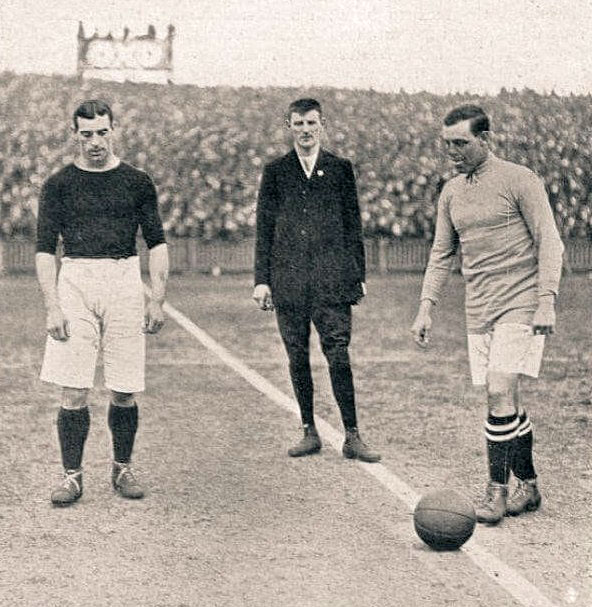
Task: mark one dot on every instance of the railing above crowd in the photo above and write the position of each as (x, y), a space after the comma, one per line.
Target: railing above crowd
(205, 149)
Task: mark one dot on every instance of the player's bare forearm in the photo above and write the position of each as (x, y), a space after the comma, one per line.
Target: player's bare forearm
(45, 266)
(57, 324)
(544, 318)
(158, 265)
(422, 324)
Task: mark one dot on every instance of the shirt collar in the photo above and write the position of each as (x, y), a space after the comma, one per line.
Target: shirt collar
(311, 161)
(482, 168)
(112, 164)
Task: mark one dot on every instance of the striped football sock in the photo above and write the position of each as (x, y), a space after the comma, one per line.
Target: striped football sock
(522, 463)
(500, 433)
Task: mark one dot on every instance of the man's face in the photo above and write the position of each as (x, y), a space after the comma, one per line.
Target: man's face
(306, 129)
(466, 150)
(95, 140)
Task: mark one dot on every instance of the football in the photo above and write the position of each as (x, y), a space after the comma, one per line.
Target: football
(444, 520)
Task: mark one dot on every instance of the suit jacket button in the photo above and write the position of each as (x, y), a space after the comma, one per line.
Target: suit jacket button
(303, 232)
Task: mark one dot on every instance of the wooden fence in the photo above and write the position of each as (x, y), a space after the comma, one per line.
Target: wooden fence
(383, 255)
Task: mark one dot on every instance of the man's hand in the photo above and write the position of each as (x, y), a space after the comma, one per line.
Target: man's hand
(262, 296)
(543, 322)
(154, 317)
(422, 325)
(58, 326)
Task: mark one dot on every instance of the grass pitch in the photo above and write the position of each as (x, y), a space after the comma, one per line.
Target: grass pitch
(224, 498)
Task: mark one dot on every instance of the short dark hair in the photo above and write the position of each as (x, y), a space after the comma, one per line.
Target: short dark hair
(91, 108)
(304, 105)
(479, 119)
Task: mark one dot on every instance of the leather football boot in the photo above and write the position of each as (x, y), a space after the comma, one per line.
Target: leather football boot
(526, 498)
(355, 448)
(310, 443)
(493, 507)
(125, 483)
(69, 490)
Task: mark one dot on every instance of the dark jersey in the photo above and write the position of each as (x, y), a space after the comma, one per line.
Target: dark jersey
(98, 213)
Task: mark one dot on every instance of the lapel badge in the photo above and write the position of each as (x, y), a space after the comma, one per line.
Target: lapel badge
(320, 172)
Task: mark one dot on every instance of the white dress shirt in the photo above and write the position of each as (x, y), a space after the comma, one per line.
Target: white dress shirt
(308, 162)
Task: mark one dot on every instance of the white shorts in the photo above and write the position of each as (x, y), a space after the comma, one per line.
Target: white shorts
(103, 301)
(507, 348)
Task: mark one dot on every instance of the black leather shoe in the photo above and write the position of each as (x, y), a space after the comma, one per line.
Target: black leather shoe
(309, 444)
(355, 448)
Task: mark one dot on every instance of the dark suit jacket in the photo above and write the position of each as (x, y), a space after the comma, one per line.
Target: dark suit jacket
(309, 232)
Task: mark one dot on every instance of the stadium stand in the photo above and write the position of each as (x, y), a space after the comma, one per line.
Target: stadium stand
(205, 148)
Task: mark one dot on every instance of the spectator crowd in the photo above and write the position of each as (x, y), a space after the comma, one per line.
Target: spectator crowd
(205, 149)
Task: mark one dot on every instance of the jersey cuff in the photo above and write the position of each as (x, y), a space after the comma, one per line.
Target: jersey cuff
(428, 298)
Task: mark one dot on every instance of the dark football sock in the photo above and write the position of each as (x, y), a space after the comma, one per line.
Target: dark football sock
(500, 433)
(73, 425)
(123, 422)
(343, 389)
(301, 377)
(522, 463)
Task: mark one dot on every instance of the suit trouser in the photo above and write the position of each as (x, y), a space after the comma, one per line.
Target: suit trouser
(333, 324)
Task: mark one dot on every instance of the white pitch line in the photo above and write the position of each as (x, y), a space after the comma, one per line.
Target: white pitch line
(509, 579)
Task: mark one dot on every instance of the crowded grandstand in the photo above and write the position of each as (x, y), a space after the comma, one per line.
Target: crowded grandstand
(205, 148)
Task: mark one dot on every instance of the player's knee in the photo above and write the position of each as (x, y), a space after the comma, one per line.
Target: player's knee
(501, 383)
(501, 389)
(123, 399)
(499, 406)
(74, 398)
